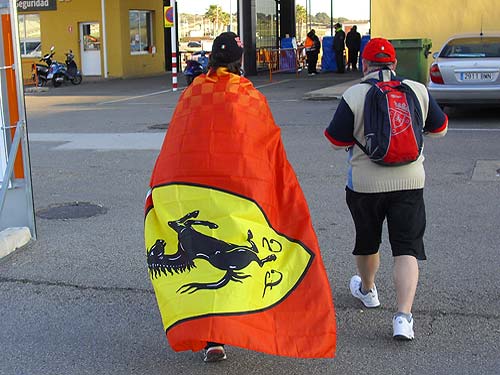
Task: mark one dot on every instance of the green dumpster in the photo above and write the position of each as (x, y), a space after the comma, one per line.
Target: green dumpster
(412, 58)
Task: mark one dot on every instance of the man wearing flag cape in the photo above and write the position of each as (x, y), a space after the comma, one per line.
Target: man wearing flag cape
(231, 251)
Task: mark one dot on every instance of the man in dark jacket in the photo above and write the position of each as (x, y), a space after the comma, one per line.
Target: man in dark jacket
(312, 46)
(339, 47)
(353, 43)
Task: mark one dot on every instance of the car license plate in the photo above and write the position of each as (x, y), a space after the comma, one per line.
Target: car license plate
(476, 76)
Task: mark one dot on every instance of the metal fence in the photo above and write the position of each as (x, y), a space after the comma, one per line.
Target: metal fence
(280, 60)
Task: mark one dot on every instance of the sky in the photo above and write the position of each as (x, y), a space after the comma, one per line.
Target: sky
(353, 9)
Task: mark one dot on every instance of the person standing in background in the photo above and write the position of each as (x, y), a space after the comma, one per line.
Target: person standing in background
(353, 43)
(312, 46)
(339, 47)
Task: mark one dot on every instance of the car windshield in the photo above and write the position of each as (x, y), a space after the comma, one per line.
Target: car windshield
(472, 47)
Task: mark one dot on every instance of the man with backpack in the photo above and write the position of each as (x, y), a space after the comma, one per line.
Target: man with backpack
(380, 122)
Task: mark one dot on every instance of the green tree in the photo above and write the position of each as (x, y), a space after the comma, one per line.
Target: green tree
(224, 19)
(301, 19)
(217, 17)
(322, 18)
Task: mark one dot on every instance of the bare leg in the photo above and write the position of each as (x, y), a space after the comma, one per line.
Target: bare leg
(367, 267)
(406, 280)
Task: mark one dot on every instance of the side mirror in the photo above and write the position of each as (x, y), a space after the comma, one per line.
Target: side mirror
(52, 49)
(435, 55)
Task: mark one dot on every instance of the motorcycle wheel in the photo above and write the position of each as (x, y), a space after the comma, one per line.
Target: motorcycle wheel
(189, 80)
(76, 80)
(55, 82)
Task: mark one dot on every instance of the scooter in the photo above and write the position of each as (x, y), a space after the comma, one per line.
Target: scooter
(59, 72)
(196, 66)
(74, 74)
(41, 71)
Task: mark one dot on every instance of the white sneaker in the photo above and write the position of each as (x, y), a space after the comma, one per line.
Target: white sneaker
(214, 354)
(369, 299)
(403, 329)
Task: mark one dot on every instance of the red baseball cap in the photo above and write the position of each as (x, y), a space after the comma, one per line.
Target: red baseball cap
(379, 50)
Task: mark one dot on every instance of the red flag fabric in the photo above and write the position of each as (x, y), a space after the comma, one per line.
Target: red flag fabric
(232, 253)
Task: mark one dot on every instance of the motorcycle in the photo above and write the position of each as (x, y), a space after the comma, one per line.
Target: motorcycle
(198, 64)
(59, 72)
(41, 71)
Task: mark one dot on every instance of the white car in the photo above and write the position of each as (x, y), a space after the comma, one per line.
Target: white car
(467, 70)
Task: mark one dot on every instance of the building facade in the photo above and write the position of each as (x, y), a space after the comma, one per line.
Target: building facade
(110, 38)
(127, 38)
(436, 20)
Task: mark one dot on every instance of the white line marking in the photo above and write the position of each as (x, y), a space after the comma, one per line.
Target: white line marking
(272, 83)
(170, 90)
(135, 97)
(474, 130)
(101, 141)
(284, 100)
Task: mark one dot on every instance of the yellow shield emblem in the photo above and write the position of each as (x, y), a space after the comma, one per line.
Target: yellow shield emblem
(211, 252)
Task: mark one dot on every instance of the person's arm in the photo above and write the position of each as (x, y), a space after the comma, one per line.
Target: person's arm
(436, 123)
(340, 130)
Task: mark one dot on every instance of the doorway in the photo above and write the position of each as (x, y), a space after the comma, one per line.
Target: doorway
(90, 48)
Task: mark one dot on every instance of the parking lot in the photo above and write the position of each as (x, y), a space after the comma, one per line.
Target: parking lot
(78, 300)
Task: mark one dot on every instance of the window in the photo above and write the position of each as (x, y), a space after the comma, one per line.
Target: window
(29, 35)
(140, 22)
(472, 47)
(267, 24)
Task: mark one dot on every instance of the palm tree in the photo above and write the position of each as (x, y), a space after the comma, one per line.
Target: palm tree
(224, 19)
(301, 19)
(217, 17)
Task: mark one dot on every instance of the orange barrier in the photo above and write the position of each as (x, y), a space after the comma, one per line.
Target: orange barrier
(280, 60)
(28, 65)
(34, 76)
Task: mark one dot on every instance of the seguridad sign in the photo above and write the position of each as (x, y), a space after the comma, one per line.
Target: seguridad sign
(29, 5)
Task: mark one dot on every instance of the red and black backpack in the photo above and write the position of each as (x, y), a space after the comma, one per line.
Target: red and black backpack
(393, 123)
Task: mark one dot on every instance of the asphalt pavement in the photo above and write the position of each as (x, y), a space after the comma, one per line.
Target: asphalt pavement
(78, 300)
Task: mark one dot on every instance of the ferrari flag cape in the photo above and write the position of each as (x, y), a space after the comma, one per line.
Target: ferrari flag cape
(231, 250)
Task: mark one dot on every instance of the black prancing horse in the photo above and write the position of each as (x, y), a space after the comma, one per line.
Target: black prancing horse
(195, 245)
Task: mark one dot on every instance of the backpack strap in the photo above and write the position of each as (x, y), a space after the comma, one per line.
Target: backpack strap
(363, 148)
(373, 82)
